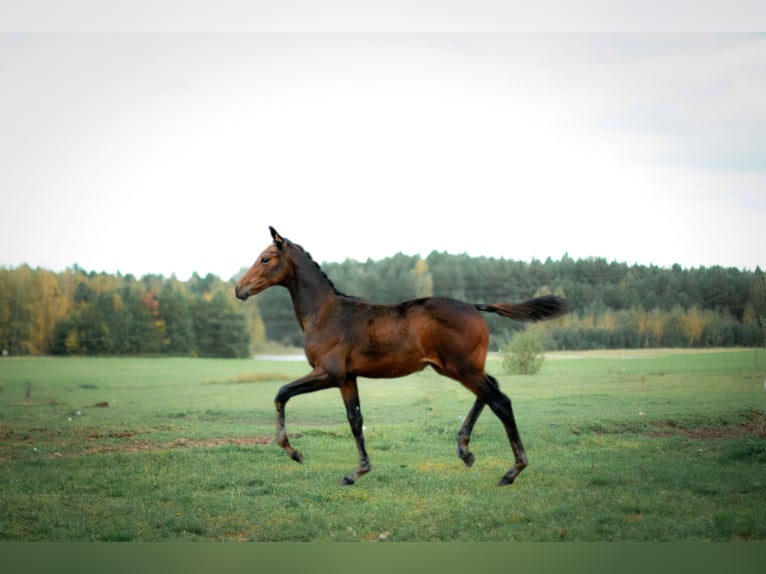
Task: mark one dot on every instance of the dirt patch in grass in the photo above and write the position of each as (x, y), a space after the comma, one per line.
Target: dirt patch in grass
(245, 378)
(712, 433)
(751, 425)
(741, 425)
(53, 443)
(142, 446)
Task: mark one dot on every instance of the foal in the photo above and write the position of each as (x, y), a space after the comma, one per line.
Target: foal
(347, 338)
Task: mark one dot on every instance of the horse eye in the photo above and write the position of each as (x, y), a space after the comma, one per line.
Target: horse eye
(265, 260)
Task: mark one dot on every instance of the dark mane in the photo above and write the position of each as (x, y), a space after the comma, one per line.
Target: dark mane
(319, 268)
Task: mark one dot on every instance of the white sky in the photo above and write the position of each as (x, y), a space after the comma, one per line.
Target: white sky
(173, 153)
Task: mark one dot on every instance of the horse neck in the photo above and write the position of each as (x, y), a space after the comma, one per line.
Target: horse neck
(310, 290)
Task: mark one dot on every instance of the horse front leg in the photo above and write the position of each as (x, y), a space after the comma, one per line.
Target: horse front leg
(350, 394)
(315, 381)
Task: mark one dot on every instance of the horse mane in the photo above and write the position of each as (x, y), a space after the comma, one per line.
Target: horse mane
(319, 268)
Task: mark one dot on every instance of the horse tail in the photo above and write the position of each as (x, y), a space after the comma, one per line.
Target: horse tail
(538, 309)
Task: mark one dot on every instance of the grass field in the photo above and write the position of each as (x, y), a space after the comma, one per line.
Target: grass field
(635, 446)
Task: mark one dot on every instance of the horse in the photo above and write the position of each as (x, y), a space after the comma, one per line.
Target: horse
(346, 337)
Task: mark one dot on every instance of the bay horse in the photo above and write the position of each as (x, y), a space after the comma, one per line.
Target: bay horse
(347, 338)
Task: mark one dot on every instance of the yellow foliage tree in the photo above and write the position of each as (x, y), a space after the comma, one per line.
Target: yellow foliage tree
(424, 282)
(694, 322)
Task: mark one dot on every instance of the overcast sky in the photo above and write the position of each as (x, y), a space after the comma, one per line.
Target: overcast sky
(173, 153)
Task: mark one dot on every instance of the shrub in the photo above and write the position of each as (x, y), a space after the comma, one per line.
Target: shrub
(524, 354)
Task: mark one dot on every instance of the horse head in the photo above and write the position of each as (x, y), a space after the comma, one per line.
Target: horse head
(272, 267)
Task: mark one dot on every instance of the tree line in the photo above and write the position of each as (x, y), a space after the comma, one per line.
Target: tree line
(81, 313)
(614, 305)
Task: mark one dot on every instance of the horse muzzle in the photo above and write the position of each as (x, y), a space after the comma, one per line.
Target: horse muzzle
(241, 294)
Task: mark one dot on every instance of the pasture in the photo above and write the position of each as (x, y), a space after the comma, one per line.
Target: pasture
(654, 445)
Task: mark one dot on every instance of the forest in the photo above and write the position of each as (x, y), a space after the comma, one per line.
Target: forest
(613, 305)
(86, 313)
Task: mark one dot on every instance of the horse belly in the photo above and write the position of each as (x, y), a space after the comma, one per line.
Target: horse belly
(387, 357)
(387, 369)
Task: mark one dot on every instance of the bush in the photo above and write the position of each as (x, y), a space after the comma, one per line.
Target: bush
(524, 354)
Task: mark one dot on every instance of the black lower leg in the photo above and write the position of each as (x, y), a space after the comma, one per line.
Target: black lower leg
(356, 422)
(501, 406)
(464, 434)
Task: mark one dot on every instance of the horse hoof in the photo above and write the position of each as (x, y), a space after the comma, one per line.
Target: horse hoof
(469, 459)
(346, 481)
(505, 481)
(297, 456)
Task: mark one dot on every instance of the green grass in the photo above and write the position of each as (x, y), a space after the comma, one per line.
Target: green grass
(635, 446)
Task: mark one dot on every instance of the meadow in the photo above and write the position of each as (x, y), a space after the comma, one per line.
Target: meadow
(644, 445)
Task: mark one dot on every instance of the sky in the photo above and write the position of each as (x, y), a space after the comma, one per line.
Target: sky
(173, 153)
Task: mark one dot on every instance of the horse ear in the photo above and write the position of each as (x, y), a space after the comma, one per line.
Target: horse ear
(276, 237)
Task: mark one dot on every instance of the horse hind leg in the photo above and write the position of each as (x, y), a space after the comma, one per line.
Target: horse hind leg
(489, 391)
(464, 434)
